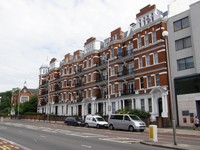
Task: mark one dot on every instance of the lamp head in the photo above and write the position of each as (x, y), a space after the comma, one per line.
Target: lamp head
(165, 34)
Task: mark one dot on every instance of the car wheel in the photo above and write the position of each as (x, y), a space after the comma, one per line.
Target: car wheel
(98, 126)
(87, 125)
(131, 128)
(111, 127)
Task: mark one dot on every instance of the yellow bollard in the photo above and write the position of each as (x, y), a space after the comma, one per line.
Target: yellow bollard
(153, 133)
(1, 119)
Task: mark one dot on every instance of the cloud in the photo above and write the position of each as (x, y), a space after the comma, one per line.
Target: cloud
(32, 30)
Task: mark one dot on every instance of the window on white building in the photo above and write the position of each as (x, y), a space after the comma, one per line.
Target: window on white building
(142, 104)
(150, 104)
(185, 63)
(183, 43)
(134, 104)
(181, 24)
(113, 107)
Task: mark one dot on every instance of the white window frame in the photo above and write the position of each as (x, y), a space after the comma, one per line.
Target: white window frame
(149, 81)
(155, 55)
(112, 71)
(142, 102)
(146, 39)
(150, 104)
(157, 79)
(148, 61)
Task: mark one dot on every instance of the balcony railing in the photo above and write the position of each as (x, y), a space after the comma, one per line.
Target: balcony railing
(78, 71)
(126, 92)
(102, 96)
(125, 72)
(79, 99)
(79, 84)
(122, 73)
(125, 53)
(102, 78)
(102, 62)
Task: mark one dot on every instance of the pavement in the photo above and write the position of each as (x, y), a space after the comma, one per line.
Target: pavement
(159, 143)
(173, 145)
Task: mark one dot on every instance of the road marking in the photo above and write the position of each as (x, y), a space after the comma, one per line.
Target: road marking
(87, 146)
(43, 136)
(121, 140)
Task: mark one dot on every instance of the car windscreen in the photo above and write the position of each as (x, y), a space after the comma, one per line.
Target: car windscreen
(77, 119)
(99, 119)
(134, 117)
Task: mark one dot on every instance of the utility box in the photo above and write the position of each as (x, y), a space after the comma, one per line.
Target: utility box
(153, 133)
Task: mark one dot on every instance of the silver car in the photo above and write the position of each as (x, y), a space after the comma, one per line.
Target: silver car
(126, 122)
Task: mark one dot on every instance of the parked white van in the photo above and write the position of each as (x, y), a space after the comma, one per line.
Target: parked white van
(126, 122)
(95, 121)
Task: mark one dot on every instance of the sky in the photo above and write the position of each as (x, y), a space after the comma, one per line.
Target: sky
(34, 31)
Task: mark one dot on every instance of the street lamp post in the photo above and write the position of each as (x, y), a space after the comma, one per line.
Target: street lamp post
(109, 106)
(18, 105)
(165, 35)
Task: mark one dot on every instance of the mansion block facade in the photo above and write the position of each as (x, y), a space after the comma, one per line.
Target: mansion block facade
(126, 70)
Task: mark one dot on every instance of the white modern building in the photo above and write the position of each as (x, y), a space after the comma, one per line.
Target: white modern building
(184, 50)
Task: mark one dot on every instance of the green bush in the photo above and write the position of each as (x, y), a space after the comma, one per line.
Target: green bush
(138, 112)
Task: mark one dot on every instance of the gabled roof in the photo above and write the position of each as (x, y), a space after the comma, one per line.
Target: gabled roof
(34, 91)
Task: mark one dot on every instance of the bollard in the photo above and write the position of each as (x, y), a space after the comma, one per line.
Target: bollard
(1, 119)
(153, 133)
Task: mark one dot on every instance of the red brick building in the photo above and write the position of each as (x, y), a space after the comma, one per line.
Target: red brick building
(126, 70)
(23, 95)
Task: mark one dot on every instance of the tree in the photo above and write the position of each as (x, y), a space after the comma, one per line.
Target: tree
(5, 105)
(30, 106)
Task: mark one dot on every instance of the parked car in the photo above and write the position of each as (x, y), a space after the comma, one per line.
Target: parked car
(95, 121)
(74, 121)
(126, 122)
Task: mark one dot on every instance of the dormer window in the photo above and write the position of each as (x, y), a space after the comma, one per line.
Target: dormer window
(144, 21)
(152, 17)
(140, 23)
(115, 37)
(148, 19)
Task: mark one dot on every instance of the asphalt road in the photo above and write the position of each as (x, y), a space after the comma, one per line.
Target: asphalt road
(45, 136)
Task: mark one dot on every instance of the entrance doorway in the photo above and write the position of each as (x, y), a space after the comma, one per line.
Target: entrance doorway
(100, 108)
(56, 110)
(79, 110)
(89, 108)
(160, 109)
(198, 108)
